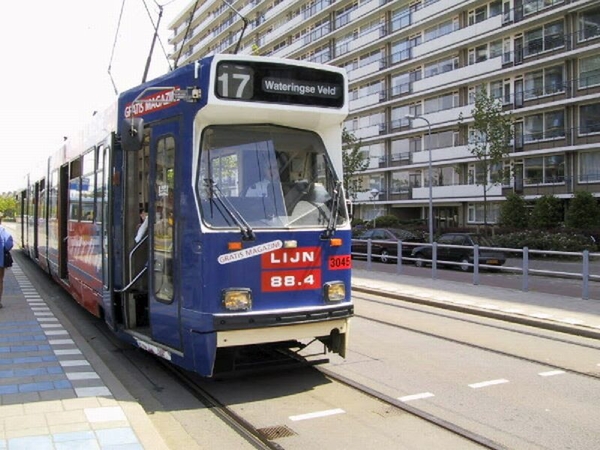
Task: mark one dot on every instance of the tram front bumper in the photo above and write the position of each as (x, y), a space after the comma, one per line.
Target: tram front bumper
(280, 326)
(252, 336)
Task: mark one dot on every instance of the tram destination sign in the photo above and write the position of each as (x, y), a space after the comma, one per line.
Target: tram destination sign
(279, 83)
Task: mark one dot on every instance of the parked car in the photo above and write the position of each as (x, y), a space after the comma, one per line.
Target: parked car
(463, 255)
(384, 243)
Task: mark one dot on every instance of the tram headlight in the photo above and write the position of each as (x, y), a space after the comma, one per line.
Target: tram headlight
(237, 299)
(334, 291)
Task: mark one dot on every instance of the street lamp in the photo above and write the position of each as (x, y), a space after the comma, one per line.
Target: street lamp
(373, 194)
(413, 117)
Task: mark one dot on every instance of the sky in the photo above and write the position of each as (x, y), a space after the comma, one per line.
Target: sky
(55, 69)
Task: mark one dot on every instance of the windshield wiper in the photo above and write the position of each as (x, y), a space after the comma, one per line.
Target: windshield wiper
(236, 216)
(334, 213)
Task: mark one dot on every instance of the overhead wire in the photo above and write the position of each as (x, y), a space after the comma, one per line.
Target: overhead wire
(112, 54)
(155, 26)
(187, 30)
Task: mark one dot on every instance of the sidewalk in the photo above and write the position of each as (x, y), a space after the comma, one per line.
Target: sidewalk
(51, 397)
(555, 312)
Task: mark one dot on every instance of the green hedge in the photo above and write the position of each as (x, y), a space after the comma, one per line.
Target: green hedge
(560, 241)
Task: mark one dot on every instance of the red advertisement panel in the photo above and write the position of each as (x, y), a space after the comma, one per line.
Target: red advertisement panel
(287, 258)
(340, 262)
(290, 280)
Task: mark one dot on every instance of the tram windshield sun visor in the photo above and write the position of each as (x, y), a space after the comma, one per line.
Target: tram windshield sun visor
(266, 176)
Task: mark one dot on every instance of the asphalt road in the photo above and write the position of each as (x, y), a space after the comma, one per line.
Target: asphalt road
(519, 387)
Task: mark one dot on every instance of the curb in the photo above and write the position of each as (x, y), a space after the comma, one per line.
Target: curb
(506, 317)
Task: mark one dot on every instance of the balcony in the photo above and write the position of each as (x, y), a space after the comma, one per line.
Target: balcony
(362, 102)
(449, 78)
(366, 196)
(365, 39)
(365, 70)
(279, 9)
(448, 115)
(367, 132)
(289, 49)
(363, 10)
(432, 8)
(441, 154)
(457, 37)
(282, 30)
(456, 191)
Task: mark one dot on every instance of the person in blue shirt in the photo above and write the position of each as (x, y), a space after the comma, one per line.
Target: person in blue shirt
(6, 244)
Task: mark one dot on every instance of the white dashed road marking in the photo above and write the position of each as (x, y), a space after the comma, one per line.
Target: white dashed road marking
(551, 373)
(408, 398)
(317, 414)
(488, 383)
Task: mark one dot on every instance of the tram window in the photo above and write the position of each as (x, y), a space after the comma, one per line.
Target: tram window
(271, 176)
(164, 219)
(88, 162)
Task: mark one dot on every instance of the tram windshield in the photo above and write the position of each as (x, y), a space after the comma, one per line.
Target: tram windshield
(265, 176)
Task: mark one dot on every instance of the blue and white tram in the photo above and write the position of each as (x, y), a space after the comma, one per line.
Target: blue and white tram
(238, 162)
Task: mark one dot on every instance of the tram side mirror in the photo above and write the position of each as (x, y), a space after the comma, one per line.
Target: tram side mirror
(132, 134)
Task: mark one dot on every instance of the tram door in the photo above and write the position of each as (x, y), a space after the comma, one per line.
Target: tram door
(164, 308)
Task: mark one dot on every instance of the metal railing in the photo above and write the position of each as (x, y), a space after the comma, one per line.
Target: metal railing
(582, 262)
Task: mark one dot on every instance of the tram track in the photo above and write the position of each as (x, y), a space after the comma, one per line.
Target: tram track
(259, 440)
(236, 422)
(477, 346)
(430, 418)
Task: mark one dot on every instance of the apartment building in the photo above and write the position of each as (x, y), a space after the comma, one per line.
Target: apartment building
(428, 59)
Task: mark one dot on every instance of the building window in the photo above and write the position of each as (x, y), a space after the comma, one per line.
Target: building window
(589, 24)
(445, 176)
(588, 118)
(495, 48)
(398, 115)
(476, 174)
(441, 66)
(478, 215)
(343, 14)
(500, 90)
(546, 125)
(441, 103)
(400, 183)
(401, 84)
(369, 58)
(400, 19)
(589, 71)
(544, 170)
(477, 15)
(589, 167)
(369, 89)
(473, 91)
(400, 51)
(482, 13)
(495, 8)
(441, 29)
(484, 52)
(279, 45)
(544, 82)
(533, 6)
(545, 38)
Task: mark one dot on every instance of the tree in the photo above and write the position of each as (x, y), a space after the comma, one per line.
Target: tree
(513, 212)
(492, 132)
(583, 211)
(8, 206)
(352, 159)
(547, 212)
